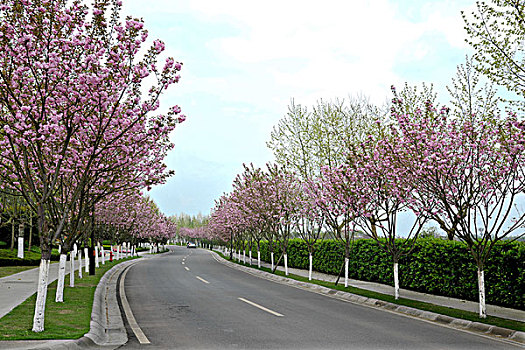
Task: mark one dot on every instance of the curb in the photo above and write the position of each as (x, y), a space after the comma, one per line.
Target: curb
(501, 333)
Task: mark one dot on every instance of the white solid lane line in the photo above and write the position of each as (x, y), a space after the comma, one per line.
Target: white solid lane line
(261, 307)
(141, 337)
(186, 268)
(202, 279)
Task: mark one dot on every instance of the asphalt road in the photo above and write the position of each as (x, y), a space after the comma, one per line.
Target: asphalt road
(188, 300)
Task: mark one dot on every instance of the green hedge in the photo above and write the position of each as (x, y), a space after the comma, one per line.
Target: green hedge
(435, 266)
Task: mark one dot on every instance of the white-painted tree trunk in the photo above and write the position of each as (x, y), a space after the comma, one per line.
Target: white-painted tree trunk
(250, 257)
(271, 257)
(310, 266)
(71, 269)
(244, 256)
(59, 295)
(80, 263)
(20, 253)
(103, 255)
(86, 260)
(346, 272)
(118, 252)
(127, 249)
(59, 249)
(481, 288)
(96, 257)
(286, 264)
(41, 294)
(258, 259)
(75, 249)
(396, 280)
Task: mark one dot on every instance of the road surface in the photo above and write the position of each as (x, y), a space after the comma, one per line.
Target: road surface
(188, 300)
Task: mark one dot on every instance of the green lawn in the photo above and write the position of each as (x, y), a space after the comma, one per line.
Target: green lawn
(11, 270)
(466, 315)
(67, 320)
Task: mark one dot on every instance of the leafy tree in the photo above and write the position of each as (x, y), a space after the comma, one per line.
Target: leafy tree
(496, 31)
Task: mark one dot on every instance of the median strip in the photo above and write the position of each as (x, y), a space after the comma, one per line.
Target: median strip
(261, 307)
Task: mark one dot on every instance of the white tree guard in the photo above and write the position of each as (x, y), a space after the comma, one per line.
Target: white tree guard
(80, 263)
(396, 280)
(41, 294)
(96, 257)
(20, 253)
(59, 295)
(310, 266)
(481, 287)
(346, 272)
(86, 260)
(72, 269)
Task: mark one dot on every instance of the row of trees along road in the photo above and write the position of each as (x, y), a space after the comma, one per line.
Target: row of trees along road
(78, 87)
(349, 166)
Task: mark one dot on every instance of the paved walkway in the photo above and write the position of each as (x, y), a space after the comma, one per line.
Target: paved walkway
(492, 310)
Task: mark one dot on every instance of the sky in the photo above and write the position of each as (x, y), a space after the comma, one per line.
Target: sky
(244, 61)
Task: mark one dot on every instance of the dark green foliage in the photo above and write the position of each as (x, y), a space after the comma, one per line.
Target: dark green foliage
(435, 266)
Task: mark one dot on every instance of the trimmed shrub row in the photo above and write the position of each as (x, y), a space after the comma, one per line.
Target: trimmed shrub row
(435, 266)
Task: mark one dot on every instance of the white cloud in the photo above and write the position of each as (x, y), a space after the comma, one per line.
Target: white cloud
(245, 60)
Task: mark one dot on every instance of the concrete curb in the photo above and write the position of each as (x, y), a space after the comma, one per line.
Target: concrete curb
(106, 326)
(475, 327)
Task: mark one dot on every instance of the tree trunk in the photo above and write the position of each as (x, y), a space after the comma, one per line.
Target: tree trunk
(30, 233)
(103, 255)
(86, 260)
(340, 272)
(310, 266)
(250, 257)
(20, 252)
(396, 280)
(346, 272)
(40, 305)
(271, 257)
(286, 264)
(244, 256)
(96, 257)
(481, 288)
(12, 233)
(258, 258)
(59, 296)
(80, 263)
(72, 269)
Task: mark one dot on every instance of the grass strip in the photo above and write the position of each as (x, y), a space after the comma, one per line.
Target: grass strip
(11, 270)
(443, 310)
(67, 320)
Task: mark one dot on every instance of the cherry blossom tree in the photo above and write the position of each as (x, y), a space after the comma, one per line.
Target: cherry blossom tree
(71, 95)
(469, 175)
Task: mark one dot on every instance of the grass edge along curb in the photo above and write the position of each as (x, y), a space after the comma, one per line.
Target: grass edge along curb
(88, 326)
(387, 302)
